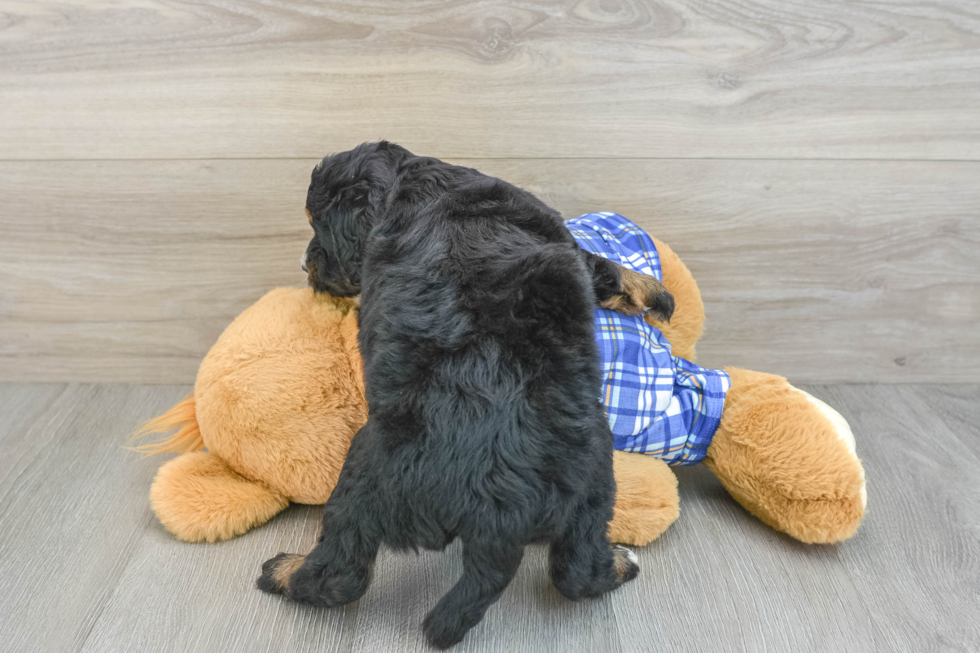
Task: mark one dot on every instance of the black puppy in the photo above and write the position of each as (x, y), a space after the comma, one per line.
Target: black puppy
(482, 379)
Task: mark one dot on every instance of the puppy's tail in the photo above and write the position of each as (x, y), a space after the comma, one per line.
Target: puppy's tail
(182, 417)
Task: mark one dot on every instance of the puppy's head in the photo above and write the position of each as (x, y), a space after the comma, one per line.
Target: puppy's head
(347, 193)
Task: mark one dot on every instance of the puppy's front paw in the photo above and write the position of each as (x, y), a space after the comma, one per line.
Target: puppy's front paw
(642, 293)
(660, 304)
(277, 571)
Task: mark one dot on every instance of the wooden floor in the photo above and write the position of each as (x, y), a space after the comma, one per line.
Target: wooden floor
(84, 565)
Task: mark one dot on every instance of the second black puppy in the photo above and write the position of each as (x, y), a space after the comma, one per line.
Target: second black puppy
(482, 379)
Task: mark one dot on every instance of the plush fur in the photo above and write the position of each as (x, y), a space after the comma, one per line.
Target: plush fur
(277, 400)
(781, 455)
(482, 377)
(687, 321)
(182, 417)
(201, 497)
(647, 502)
(254, 372)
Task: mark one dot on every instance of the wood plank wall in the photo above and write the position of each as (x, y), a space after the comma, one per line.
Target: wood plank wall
(816, 164)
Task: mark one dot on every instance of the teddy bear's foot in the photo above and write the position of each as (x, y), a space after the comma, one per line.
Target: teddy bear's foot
(199, 498)
(647, 502)
(789, 459)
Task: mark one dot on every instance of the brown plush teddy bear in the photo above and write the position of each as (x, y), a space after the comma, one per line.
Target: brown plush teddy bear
(280, 395)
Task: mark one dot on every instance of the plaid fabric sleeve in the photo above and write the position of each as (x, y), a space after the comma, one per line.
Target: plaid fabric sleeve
(656, 403)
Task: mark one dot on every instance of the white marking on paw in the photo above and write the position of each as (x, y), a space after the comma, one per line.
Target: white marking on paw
(843, 430)
(629, 554)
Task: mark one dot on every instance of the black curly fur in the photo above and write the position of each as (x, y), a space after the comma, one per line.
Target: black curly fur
(482, 379)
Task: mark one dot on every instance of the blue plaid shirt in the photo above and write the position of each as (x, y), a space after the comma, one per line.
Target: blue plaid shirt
(656, 403)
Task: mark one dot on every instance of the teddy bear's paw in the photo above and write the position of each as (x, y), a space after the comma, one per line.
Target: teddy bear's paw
(844, 435)
(789, 459)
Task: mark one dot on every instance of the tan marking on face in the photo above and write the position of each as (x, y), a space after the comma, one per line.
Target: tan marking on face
(286, 568)
(309, 216)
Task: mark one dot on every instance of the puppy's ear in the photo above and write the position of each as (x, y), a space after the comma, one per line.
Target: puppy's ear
(348, 228)
(351, 220)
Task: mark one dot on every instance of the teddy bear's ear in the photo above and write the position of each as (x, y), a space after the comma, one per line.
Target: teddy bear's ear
(198, 498)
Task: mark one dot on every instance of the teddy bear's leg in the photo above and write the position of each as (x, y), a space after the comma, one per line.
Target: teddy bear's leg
(687, 322)
(647, 502)
(199, 498)
(788, 458)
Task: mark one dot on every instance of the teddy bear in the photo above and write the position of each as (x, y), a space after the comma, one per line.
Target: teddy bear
(279, 396)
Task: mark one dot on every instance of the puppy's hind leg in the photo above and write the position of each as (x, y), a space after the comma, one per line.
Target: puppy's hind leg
(487, 570)
(583, 563)
(338, 570)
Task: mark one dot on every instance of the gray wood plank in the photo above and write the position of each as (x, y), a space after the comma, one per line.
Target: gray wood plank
(821, 271)
(719, 580)
(959, 408)
(916, 560)
(190, 597)
(21, 404)
(612, 78)
(530, 616)
(85, 566)
(175, 596)
(72, 506)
